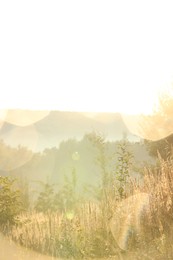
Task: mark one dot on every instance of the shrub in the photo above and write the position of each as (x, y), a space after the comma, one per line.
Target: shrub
(10, 202)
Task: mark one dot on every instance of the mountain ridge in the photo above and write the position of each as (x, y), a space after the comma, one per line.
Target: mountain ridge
(57, 126)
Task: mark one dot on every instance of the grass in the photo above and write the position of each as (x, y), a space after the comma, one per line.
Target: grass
(85, 232)
(74, 234)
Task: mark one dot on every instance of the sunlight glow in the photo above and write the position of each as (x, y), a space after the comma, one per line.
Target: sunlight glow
(19, 137)
(111, 56)
(22, 117)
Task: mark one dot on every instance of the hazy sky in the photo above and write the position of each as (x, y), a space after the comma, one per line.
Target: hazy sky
(85, 55)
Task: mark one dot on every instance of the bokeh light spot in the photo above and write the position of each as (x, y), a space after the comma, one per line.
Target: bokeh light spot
(75, 156)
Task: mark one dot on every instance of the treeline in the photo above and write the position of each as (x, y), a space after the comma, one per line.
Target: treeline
(53, 165)
(113, 162)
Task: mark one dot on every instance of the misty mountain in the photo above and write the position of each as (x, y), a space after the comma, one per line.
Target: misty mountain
(58, 126)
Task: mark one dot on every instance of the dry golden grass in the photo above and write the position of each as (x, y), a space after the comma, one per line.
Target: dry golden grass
(72, 234)
(85, 233)
(158, 220)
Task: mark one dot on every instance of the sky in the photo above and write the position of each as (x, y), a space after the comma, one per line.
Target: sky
(97, 56)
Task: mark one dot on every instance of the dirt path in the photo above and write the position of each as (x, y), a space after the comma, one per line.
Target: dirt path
(10, 251)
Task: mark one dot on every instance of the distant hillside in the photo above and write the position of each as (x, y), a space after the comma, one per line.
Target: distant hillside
(58, 126)
(55, 163)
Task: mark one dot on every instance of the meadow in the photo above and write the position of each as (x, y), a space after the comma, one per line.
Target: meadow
(108, 225)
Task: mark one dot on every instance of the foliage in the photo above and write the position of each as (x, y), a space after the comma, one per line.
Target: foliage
(81, 229)
(66, 198)
(63, 200)
(23, 186)
(162, 146)
(84, 233)
(157, 127)
(80, 237)
(98, 141)
(10, 201)
(45, 199)
(123, 167)
(157, 223)
(12, 158)
(105, 190)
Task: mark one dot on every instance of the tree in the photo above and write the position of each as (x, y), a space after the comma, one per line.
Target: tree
(98, 141)
(45, 199)
(66, 198)
(10, 201)
(123, 167)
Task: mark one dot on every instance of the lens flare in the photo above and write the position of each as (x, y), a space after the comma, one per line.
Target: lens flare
(76, 156)
(21, 117)
(154, 127)
(70, 215)
(127, 218)
(22, 141)
(3, 114)
(159, 123)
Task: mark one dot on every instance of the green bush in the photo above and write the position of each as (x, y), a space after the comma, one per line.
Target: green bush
(123, 167)
(10, 202)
